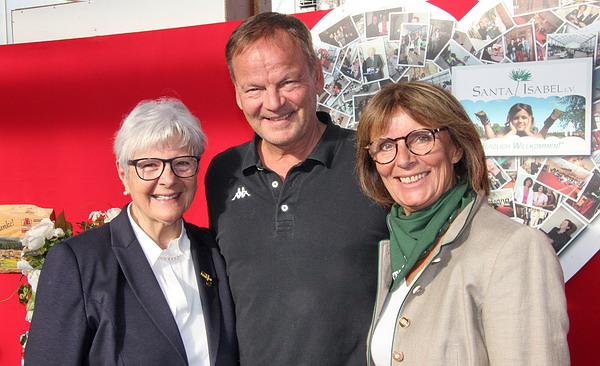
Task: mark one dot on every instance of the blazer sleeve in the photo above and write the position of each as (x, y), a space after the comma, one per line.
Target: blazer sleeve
(59, 334)
(524, 312)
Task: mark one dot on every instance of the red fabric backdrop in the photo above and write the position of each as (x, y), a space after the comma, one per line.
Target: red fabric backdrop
(61, 102)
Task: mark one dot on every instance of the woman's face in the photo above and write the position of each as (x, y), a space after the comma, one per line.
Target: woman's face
(415, 182)
(564, 225)
(164, 200)
(521, 121)
(527, 183)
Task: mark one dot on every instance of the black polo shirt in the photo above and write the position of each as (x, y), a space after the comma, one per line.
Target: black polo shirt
(301, 253)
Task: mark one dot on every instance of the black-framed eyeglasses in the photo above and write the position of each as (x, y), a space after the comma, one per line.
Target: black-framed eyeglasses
(419, 142)
(152, 168)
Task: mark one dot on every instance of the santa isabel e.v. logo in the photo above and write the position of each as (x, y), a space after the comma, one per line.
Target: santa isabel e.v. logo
(524, 85)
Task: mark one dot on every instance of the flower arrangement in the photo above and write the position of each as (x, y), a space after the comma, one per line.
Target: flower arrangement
(38, 240)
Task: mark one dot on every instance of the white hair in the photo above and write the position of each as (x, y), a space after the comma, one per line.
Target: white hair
(158, 123)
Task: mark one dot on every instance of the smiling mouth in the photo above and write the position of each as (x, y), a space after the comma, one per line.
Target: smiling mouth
(165, 197)
(279, 118)
(413, 178)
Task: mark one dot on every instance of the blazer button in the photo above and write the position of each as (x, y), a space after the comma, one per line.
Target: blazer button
(398, 356)
(418, 290)
(404, 322)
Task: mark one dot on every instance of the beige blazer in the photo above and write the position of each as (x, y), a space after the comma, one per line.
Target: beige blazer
(492, 294)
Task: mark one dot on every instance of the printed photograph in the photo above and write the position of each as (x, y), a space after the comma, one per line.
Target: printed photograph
(580, 16)
(443, 79)
(520, 44)
(570, 45)
(462, 39)
(455, 55)
(359, 23)
(530, 216)
(493, 51)
(492, 24)
(532, 164)
(360, 101)
(377, 22)
(340, 34)
(530, 6)
(528, 109)
(508, 163)
(502, 201)
(374, 62)
(418, 73)
(350, 65)
(545, 23)
(564, 177)
(588, 205)
(337, 117)
(398, 19)
(544, 197)
(413, 44)
(358, 88)
(395, 71)
(497, 176)
(561, 228)
(335, 83)
(327, 56)
(523, 189)
(440, 33)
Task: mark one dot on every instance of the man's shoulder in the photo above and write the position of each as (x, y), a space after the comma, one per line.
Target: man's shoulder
(232, 154)
(228, 161)
(345, 137)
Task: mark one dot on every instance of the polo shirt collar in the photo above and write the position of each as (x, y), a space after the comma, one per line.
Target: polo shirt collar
(323, 152)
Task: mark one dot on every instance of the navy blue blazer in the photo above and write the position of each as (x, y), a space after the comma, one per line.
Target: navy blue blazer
(98, 303)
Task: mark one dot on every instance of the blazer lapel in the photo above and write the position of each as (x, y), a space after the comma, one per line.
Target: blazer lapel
(207, 286)
(140, 278)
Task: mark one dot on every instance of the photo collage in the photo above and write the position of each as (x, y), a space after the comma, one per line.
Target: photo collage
(362, 49)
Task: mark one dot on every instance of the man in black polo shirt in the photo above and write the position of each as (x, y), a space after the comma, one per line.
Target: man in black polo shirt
(298, 237)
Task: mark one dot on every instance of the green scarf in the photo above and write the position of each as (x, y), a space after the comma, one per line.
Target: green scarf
(412, 236)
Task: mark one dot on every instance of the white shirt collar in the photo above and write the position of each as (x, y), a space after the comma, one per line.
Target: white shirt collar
(179, 246)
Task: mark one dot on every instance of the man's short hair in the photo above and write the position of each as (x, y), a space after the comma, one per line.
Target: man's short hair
(267, 26)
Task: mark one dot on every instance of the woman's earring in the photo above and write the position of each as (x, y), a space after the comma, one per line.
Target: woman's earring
(125, 193)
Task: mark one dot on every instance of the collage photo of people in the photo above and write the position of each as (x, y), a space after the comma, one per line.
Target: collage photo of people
(364, 47)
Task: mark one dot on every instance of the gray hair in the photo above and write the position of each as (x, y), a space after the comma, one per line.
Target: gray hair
(155, 124)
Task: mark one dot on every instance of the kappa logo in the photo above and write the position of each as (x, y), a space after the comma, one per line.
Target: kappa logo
(241, 193)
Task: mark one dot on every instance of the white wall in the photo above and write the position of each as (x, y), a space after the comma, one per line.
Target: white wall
(42, 20)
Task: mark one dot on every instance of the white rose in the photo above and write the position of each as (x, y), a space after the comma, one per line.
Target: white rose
(59, 233)
(94, 215)
(35, 237)
(111, 214)
(24, 267)
(32, 242)
(33, 279)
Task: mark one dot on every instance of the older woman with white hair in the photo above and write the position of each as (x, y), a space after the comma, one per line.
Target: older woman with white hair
(146, 288)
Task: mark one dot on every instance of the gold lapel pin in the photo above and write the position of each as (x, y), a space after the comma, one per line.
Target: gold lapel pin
(208, 281)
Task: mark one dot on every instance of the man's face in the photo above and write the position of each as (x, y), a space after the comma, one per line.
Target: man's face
(277, 91)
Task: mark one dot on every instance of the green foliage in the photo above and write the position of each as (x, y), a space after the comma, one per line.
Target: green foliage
(573, 111)
(520, 75)
(24, 292)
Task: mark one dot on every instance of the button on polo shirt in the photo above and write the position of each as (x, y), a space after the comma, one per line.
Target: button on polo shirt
(301, 254)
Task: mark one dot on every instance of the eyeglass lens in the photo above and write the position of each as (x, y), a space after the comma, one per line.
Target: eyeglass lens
(419, 142)
(152, 168)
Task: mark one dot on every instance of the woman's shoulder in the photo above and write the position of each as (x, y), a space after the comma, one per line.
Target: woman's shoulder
(87, 247)
(501, 231)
